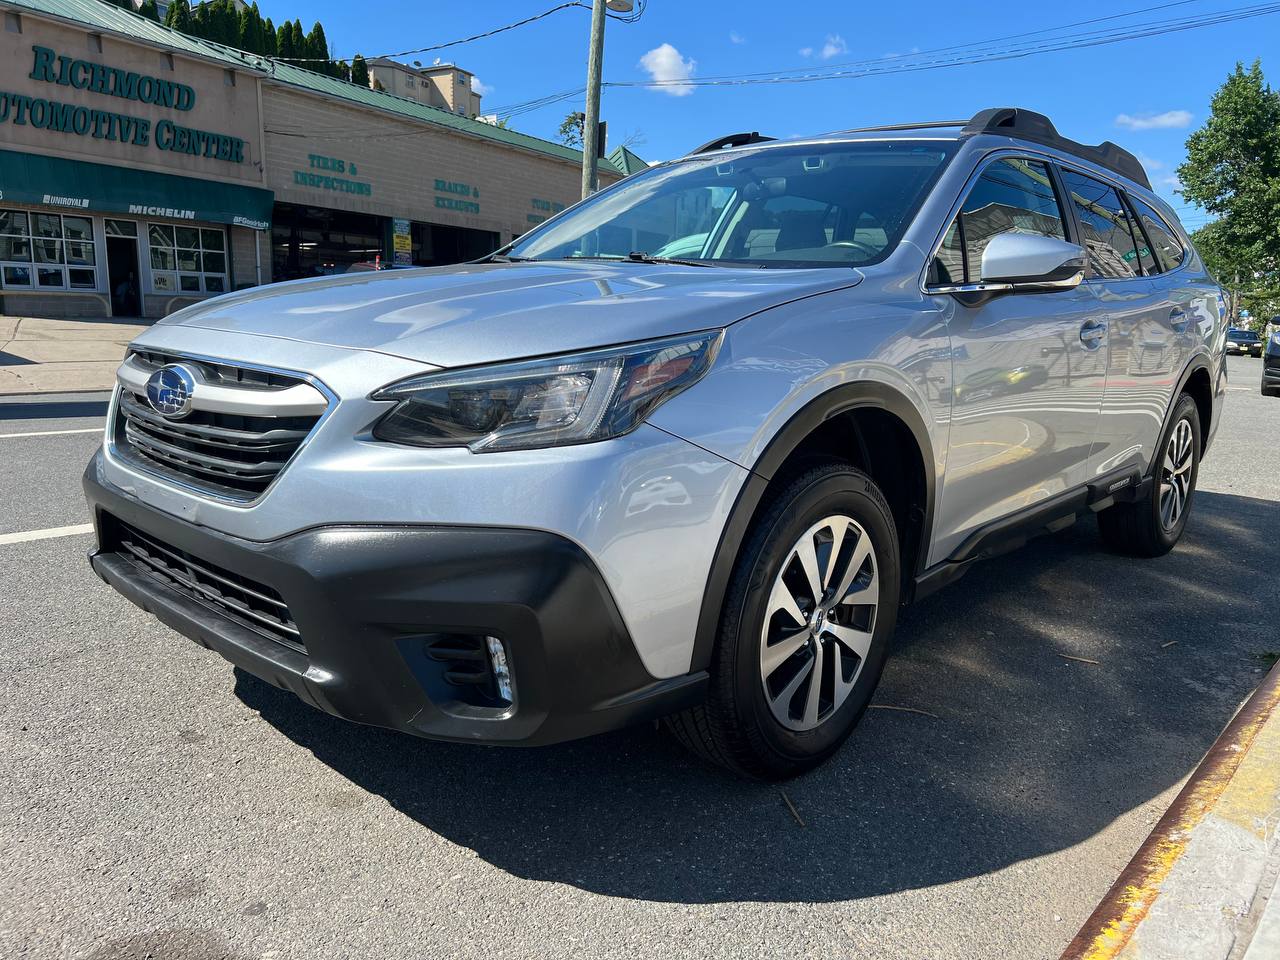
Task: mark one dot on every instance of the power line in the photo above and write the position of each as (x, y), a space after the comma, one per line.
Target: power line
(452, 43)
(1088, 39)
(910, 63)
(632, 17)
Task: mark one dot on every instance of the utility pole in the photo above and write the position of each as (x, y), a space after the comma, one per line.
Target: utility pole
(591, 125)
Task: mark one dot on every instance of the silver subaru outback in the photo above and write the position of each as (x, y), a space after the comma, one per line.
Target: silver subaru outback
(683, 450)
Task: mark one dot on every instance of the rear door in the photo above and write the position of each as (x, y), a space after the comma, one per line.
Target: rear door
(1027, 387)
(1146, 325)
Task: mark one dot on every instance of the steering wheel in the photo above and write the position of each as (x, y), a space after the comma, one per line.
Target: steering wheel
(867, 249)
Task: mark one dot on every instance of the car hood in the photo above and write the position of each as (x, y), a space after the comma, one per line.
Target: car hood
(485, 313)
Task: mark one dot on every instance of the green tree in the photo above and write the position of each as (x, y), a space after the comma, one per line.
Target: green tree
(318, 50)
(570, 132)
(1233, 171)
(148, 10)
(359, 71)
(178, 16)
(284, 41)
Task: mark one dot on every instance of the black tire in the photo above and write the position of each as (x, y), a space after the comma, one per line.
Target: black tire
(1139, 529)
(735, 727)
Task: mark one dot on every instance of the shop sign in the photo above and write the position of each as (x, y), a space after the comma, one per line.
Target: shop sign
(401, 241)
(455, 192)
(325, 180)
(544, 208)
(59, 117)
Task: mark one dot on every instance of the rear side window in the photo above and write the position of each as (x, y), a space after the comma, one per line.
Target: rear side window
(1108, 232)
(1168, 248)
(1013, 195)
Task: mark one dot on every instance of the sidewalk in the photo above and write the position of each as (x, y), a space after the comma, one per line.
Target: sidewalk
(54, 356)
(1206, 884)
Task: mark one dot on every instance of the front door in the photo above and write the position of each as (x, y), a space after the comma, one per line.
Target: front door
(1028, 369)
(122, 271)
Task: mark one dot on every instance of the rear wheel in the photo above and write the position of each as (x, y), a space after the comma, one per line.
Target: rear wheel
(1151, 526)
(805, 631)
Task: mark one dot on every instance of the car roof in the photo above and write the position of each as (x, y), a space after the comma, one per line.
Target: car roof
(1014, 123)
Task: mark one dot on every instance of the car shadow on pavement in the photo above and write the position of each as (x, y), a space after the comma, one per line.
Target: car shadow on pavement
(1020, 751)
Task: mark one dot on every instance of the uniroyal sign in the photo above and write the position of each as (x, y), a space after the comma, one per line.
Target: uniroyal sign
(76, 120)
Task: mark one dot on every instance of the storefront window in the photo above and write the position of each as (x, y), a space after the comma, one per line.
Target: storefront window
(62, 249)
(187, 259)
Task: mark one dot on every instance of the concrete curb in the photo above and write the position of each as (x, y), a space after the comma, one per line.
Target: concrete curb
(1204, 884)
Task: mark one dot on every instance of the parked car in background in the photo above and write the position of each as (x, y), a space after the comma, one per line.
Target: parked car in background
(1271, 366)
(1240, 340)
(578, 484)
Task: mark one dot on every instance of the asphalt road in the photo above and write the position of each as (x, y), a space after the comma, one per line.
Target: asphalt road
(155, 803)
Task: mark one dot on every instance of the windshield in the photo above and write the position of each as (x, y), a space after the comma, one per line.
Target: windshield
(824, 205)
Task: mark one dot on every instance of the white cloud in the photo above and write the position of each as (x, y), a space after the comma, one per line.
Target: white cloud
(834, 46)
(1173, 183)
(736, 37)
(665, 65)
(1150, 163)
(480, 87)
(1169, 120)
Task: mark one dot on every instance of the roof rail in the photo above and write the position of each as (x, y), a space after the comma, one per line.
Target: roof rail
(1027, 125)
(733, 140)
(927, 125)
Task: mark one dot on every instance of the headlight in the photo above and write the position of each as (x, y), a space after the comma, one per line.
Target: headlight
(545, 403)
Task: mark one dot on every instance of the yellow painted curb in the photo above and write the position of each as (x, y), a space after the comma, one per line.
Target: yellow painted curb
(1229, 783)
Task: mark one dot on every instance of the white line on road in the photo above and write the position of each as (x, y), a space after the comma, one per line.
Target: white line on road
(47, 534)
(48, 433)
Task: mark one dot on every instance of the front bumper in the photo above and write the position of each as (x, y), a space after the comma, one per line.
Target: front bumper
(369, 600)
(1271, 374)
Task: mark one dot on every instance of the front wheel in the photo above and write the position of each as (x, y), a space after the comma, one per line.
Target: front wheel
(811, 606)
(1151, 526)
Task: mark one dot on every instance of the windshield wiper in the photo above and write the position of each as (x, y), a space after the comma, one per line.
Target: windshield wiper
(639, 256)
(505, 258)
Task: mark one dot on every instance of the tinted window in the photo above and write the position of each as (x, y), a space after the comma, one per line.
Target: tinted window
(1011, 196)
(1168, 248)
(1108, 233)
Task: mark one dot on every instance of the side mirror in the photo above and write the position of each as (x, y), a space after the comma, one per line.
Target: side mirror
(1021, 263)
(1025, 261)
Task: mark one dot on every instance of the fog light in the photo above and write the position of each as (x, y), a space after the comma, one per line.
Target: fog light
(501, 672)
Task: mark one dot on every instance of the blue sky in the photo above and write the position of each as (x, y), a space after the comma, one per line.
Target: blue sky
(1146, 94)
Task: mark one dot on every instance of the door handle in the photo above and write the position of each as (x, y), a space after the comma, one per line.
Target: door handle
(1092, 333)
(1178, 318)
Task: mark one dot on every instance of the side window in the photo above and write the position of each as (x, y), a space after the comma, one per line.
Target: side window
(1013, 195)
(1108, 231)
(1168, 248)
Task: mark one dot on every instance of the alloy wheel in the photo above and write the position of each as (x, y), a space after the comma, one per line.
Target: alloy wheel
(819, 622)
(1175, 474)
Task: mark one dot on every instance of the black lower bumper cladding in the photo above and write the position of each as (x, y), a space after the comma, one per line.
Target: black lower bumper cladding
(371, 603)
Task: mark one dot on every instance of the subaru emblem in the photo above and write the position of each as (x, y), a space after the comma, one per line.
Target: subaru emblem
(169, 391)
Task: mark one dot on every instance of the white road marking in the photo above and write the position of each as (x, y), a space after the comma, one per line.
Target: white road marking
(48, 433)
(46, 534)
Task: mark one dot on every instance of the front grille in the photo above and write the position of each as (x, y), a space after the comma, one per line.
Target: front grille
(233, 456)
(248, 603)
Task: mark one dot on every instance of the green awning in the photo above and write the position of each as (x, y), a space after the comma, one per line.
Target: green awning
(96, 187)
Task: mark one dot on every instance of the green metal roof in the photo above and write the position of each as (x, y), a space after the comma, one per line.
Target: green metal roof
(106, 18)
(626, 161)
